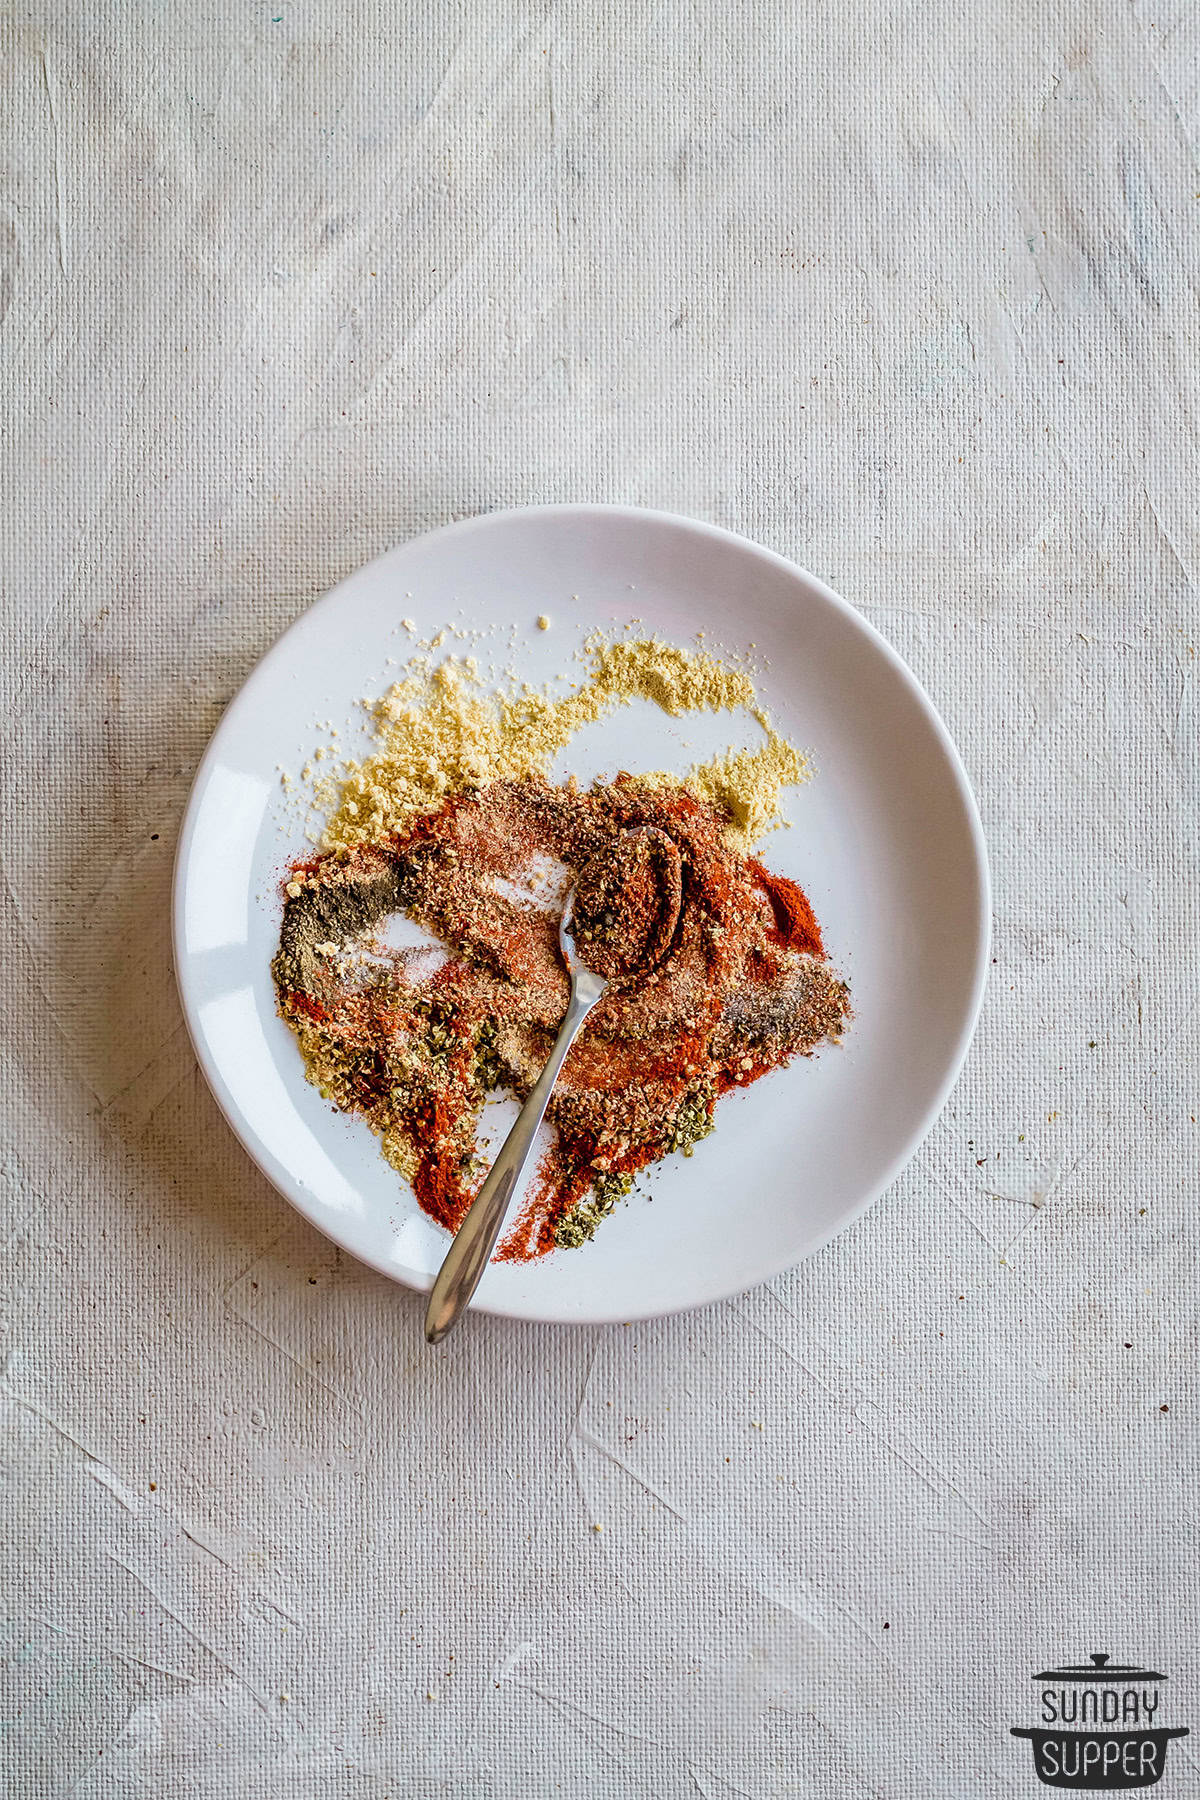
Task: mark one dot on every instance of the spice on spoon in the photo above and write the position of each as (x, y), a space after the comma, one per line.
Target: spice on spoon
(627, 903)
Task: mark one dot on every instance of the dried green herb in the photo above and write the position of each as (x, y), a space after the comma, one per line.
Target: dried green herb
(580, 1224)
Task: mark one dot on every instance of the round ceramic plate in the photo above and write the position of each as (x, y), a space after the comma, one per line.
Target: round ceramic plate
(885, 840)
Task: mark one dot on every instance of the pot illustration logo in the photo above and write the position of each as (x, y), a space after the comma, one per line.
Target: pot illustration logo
(1100, 1726)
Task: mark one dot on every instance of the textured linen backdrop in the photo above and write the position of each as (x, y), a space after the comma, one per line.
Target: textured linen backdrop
(906, 292)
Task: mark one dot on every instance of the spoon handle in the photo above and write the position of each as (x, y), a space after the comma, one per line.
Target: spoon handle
(475, 1239)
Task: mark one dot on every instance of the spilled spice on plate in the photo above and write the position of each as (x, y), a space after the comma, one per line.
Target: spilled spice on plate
(716, 966)
(440, 731)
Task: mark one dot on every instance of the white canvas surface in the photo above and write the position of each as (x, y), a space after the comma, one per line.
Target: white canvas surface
(906, 293)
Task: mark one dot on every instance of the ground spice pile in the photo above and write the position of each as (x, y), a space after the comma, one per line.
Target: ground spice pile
(730, 982)
(441, 730)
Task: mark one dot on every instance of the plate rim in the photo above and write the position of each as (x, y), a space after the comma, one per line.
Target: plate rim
(226, 1099)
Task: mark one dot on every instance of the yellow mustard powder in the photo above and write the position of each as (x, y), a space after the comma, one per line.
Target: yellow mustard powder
(440, 730)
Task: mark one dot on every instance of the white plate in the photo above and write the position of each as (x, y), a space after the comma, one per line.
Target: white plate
(886, 842)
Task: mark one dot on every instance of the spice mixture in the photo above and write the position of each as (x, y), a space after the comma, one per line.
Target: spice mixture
(717, 972)
(627, 905)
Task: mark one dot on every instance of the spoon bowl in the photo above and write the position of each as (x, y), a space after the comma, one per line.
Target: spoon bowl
(584, 981)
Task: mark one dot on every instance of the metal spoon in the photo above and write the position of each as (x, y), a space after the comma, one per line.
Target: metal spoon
(475, 1239)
